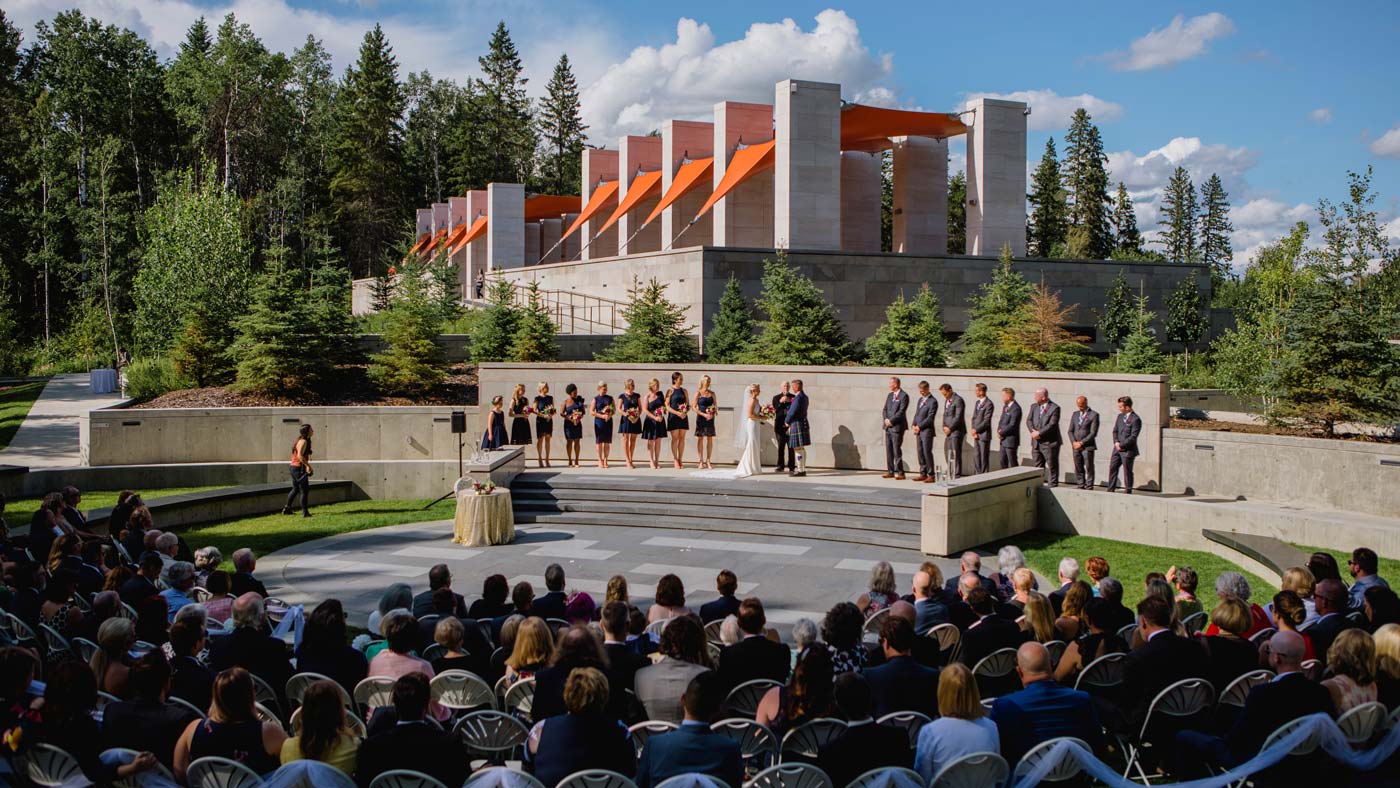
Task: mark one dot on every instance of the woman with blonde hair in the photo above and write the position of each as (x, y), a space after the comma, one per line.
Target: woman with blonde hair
(1039, 619)
(325, 735)
(706, 408)
(1352, 660)
(654, 421)
(629, 405)
(519, 412)
(1387, 640)
(601, 410)
(1299, 580)
(1071, 620)
(962, 727)
(544, 423)
(533, 644)
(616, 592)
(881, 591)
(115, 638)
(677, 418)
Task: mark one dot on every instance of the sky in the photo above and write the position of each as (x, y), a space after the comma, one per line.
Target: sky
(1280, 99)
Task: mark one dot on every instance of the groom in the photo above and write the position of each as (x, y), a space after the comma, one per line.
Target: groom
(799, 433)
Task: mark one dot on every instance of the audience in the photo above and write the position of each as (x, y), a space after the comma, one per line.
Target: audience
(586, 737)
(959, 728)
(115, 638)
(533, 644)
(1289, 614)
(1387, 640)
(969, 562)
(806, 696)
(1230, 655)
(1097, 568)
(1352, 662)
(623, 662)
(901, 683)
(58, 611)
(1069, 572)
(1039, 621)
(219, 604)
(1381, 606)
(693, 748)
(232, 730)
(1070, 623)
(929, 610)
(143, 583)
(1185, 580)
(67, 721)
(398, 657)
(412, 743)
(754, 656)
(449, 633)
(1116, 614)
(1300, 582)
(249, 648)
(325, 734)
(1101, 639)
(1022, 585)
(669, 601)
(580, 608)
(147, 722)
(398, 596)
(1043, 709)
(1164, 658)
(440, 576)
(863, 745)
(577, 648)
(842, 633)
(243, 582)
(990, 632)
(1323, 566)
(522, 600)
(1330, 596)
(726, 583)
(323, 648)
(206, 562)
(495, 590)
(551, 605)
(190, 680)
(1363, 567)
(180, 579)
(1010, 559)
(684, 653)
(1232, 585)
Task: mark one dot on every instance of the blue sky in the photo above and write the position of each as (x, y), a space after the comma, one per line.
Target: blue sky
(1279, 98)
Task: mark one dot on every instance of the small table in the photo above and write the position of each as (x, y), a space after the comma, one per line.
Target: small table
(483, 520)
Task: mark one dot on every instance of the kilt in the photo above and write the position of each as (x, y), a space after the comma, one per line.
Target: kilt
(797, 435)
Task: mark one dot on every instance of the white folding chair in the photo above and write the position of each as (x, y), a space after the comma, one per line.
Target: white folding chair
(872, 624)
(1262, 636)
(55, 643)
(975, 770)
(758, 746)
(949, 642)
(296, 688)
(84, 647)
(462, 690)
(1195, 622)
(1126, 632)
(1056, 648)
(373, 692)
(46, 765)
(910, 721)
(520, 698)
(1236, 691)
(502, 777)
(1103, 673)
(200, 594)
(405, 778)
(1313, 669)
(888, 777)
(595, 778)
(809, 737)
(791, 775)
(309, 774)
(22, 632)
(653, 629)
(493, 735)
(642, 731)
(190, 707)
(434, 652)
(743, 700)
(691, 779)
(1185, 698)
(1359, 723)
(214, 772)
(155, 776)
(1066, 766)
(712, 631)
(264, 693)
(265, 714)
(992, 670)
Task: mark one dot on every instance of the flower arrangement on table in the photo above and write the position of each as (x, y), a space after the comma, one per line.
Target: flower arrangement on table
(633, 414)
(485, 488)
(766, 413)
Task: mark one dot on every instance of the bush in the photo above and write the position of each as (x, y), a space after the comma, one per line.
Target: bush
(149, 378)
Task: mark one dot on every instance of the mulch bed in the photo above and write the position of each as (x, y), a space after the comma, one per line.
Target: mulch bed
(1270, 429)
(352, 387)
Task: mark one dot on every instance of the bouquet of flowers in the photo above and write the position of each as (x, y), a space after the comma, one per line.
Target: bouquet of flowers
(547, 411)
(483, 488)
(607, 411)
(711, 410)
(766, 413)
(633, 414)
(660, 414)
(529, 409)
(683, 408)
(576, 417)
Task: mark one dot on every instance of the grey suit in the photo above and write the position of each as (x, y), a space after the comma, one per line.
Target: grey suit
(982, 410)
(659, 688)
(1084, 428)
(1009, 431)
(1126, 429)
(924, 413)
(953, 409)
(896, 406)
(1046, 449)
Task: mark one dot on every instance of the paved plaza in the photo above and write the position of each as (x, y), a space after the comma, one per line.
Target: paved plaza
(48, 436)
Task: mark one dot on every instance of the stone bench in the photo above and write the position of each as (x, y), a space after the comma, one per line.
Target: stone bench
(1275, 554)
(249, 500)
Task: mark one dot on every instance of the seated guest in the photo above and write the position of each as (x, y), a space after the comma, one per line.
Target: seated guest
(1097, 568)
(137, 524)
(62, 553)
(495, 592)
(91, 567)
(805, 632)
(754, 656)
(232, 729)
(1351, 660)
(168, 545)
(1330, 597)
(864, 745)
(929, 611)
(413, 743)
(1382, 606)
(324, 650)
(617, 591)
(219, 605)
(1232, 585)
(1387, 640)
(533, 645)
(960, 727)
(669, 601)
(584, 738)
(121, 512)
(880, 593)
(59, 611)
(1164, 658)
(1069, 572)
(244, 565)
(623, 662)
(398, 596)
(1069, 624)
(580, 608)
(1039, 622)
(501, 655)
(1288, 696)
(325, 733)
(105, 605)
(1099, 641)
(1323, 566)
(1363, 566)
(960, 614)
(180, 579)
(152, 620)
(449, 633)
(1301, 582)
(806, 696)
(693, 748)
(190, 680)
(206, 560)
(969, 562)
(1230, 655)
(1022, 585)
(551, 605)
(1288, 614)
(143, 584)
(441, 604)
(1009, 559)
(67, 721)
(901, 683)
(1185, 580)
(684, 653)
(401, 634)
(990, 632)
(109, 667)
(147, 722)
(727, 604)
(577, 648)
(1157, 587)
(522, 599)
(1117, 614)
(637, 638)
(843, 631)
(438, 577)
(1043, 709)
(17, 668)
(249, 648)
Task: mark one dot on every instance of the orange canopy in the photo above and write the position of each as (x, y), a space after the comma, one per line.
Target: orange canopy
(603, 194)
(869, 129)
(549, 206)
(689, 177)
(421, 244)
(747, 162)
(433, 244)
(475, 231)
(643, 187)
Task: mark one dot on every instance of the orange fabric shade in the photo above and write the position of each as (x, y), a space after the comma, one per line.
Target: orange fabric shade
(475, 231)
(549, 206)
(643, 187)
(603, 194)
(746, 163)
(869, 129)
(689, 177)
(433, 244)
(454, 237)
(421, 244)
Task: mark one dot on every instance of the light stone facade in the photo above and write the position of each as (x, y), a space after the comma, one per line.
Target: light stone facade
(505, 242)
(681, 141)
(744, 217)
(996, 177)
(807, 168)
(549, 240)
(637, 155)
(860, 201)
(598, 166)
(920, 201)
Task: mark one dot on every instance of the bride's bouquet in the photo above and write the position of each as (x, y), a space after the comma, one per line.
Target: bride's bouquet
(766, 413)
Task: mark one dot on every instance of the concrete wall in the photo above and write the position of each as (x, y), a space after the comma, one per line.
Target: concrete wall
(505, 233)
(476, 250)
(1352, 476)
(860, 202)
(920, 196)
(681, 140)
(550, 229)
(745, 216)
(996, 177)
(598, 166)
(962, 514)
(1198, 403)
(846, 402)
(807, 165)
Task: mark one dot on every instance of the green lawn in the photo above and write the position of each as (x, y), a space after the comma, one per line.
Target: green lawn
(97, 499)
(15, 402)
(1128, 562)
(1389, 568)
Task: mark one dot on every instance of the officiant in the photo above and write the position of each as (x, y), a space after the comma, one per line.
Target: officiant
(781, 401)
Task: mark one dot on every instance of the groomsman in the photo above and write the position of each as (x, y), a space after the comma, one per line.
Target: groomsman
(954, 428)
(1125, 449)
(896, 422)
(1083, 430)
(780, 430)
(1009, 428)
(1044, 424)
(924, 412)
(981, 430)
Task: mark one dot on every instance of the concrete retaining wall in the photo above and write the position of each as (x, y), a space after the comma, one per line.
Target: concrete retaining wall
(456, 348)
(846, 405)
(173, 511)
(1352, 476)
(968, 512)
(1199, 403)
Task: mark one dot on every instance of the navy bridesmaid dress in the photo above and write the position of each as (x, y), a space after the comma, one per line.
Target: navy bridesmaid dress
(495, 436)
(573, 405)
(704, 428)
(602, 428)
(676, 399)
(651, 428)
(626, 426)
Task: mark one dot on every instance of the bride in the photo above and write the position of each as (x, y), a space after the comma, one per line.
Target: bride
(746, 438)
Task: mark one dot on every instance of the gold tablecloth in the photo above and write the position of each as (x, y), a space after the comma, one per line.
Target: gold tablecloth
(483, 519)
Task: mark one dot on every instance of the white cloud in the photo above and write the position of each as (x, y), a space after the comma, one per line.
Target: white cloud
(1388, 144)
(684, 79)
(1321, 115)
(1181, 40)
(1050, 111)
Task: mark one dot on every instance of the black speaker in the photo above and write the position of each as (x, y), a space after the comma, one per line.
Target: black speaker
(459, 422)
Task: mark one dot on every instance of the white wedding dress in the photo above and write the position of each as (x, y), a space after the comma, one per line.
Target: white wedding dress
(746, 438)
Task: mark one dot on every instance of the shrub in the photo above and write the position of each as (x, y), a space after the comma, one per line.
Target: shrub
(149, 378)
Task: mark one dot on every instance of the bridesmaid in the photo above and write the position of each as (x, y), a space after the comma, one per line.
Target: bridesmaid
(519, 417)
(706, 406)
(654, 421)
(677, 420)
(602, 412)
(544, 423)
(630, 426)
(495, 435)
(573, 423)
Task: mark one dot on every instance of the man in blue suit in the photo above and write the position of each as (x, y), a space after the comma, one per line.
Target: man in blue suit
(693, 747)
(1043, 709)
(901, 684)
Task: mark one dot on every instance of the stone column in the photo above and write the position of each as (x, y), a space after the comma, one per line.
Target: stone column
(637, 155)
(476, 250)
(598, 165)
(456, 217)
(807, 167)
(440, 214)
(456, 212)
(549, 239)
(996, 177)
(681, 140)
(424, 222)
(569, 250)
(920, 196)
(505, 231)
(745, 217)
(860, 201)
(532, 243)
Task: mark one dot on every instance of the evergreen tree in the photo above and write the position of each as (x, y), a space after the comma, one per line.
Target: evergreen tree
(1215, 248)
(656, 330)
(1141, 354)
(536, 335)
(562, 131)
(508, 132)
(1126, 238)
(1086, 184)
(330, 303)
(800, 327)
(731, 331)
(957, 213)
(199, 351)
(494, 332)
(912, 335)
(271, 350)
(1187, 319)
(996, 309)
(382, 291)
(1048, 220)
(1038, 338)
(433, 107)
(1118, 316)
(447, 286)
(412, 362)
(1179, 218)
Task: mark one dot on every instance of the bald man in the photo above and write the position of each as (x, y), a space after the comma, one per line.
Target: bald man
(928, 611)
(1043, 421)
(1043, 709)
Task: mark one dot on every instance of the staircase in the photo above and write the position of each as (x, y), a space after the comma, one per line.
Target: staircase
(578, 313)
(808, 510)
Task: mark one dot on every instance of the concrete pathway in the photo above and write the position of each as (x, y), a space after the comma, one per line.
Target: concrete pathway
(48, 438)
